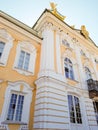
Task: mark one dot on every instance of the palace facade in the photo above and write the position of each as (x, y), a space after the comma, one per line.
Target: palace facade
(48, 75)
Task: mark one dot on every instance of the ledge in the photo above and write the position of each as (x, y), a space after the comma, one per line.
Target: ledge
(13, 122)
(23, 72)
(72, 82)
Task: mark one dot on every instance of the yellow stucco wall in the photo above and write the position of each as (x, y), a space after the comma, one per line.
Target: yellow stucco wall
(14, 127)
(3, 86)
(7, 73)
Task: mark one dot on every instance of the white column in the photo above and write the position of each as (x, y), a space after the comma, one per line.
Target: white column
(47, 50)
(58, 53)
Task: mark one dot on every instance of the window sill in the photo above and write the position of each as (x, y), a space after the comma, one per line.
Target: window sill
(14, 122)
(72, 82)
(76, 124)
(2, 64)
(24, 72)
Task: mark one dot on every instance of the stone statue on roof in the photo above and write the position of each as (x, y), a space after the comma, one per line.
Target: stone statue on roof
(84, 32)
(53, 6)
(55, 12)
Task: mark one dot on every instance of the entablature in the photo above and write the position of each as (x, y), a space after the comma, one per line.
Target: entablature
(74, 34)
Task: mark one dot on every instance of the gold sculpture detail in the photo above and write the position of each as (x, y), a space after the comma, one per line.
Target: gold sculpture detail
(84, 32)
(53, 6)
(55, 12)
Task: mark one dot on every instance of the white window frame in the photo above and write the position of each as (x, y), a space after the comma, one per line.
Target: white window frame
(29, 48)
(8, 40)
(27, 92)
(74, 107)
(18, 94)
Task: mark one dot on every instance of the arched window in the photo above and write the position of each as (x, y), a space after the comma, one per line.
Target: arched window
(68, 67)
(88, 73)
(74, 109)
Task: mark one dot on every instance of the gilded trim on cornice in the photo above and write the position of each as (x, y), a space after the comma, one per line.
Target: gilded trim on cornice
(55, 12)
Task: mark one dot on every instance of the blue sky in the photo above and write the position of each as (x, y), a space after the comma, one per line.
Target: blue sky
(77, 12)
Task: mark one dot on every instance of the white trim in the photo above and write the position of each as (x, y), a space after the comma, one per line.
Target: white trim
(8, 40)
(82, 109)
(58, 53)
(27, 91)
(27, 47)
(91, 70)
(47, 49)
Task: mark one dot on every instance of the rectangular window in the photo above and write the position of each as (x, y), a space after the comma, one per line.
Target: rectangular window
(15, 107)
(1, 48)
(74, 109)
(24, 60)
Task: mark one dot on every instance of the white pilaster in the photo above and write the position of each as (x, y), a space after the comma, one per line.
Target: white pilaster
(95, 68)
(47, 50)
(58, 53)
(80, 67)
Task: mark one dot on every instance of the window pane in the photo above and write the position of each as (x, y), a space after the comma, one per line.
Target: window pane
(68, 68)
(1, 47)
(15, 107)
(21, 59)
(24, 60)
(71, 109)
(12, 107)
(66, 72)
(71, 75)
(19, 108)
(74, 109)
(26, 63)
(77, 109)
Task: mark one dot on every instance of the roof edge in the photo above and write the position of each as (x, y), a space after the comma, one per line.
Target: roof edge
(47, 10)
(19, 24)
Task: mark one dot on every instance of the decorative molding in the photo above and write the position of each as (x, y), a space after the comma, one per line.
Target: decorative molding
(27, 47)
(27, 92)
(3, 127)
(4, 34)
(8, 40)
(24, 127)
(19, 83)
